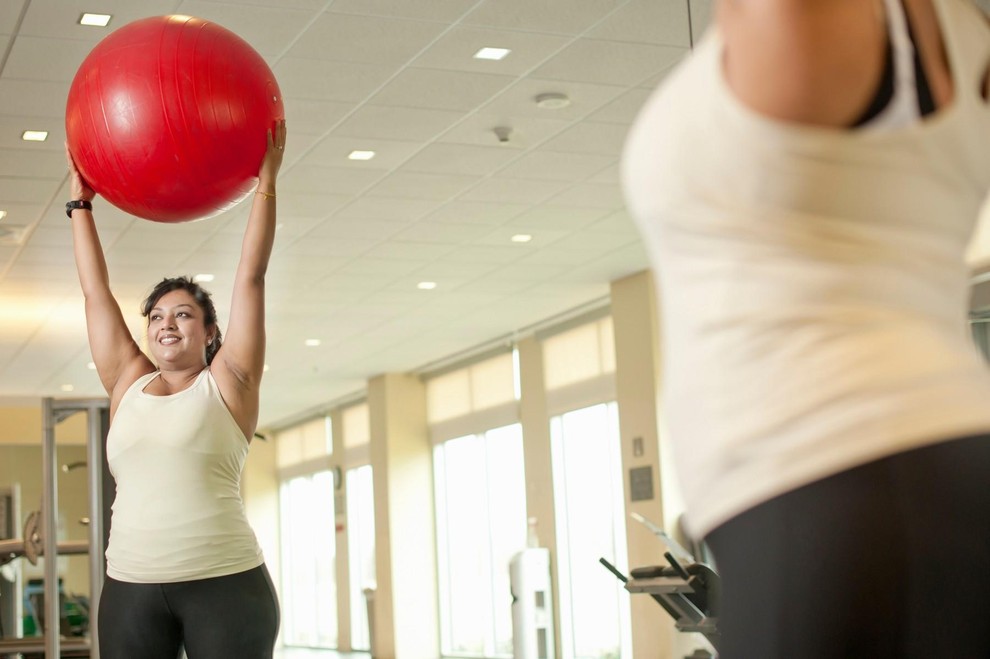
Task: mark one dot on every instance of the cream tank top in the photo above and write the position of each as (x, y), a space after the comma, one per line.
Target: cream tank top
(811, 281)
(178, 513)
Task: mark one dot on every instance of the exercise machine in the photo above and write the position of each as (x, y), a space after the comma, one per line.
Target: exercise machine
(687, 589)
(41, 529)
(31, 545)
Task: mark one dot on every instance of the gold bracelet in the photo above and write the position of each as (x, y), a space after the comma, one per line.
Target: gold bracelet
(266, 195)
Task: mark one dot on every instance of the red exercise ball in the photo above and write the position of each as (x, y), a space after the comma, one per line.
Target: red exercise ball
(166, 118)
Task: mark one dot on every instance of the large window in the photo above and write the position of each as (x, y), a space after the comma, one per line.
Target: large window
(360, 525)
(481, 524)
(309, 585)
(589, 509)
(480, 502)
(588, 499)
(308, 543)
(360, 551)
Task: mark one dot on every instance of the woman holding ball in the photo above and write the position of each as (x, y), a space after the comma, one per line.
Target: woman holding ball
(183, 566)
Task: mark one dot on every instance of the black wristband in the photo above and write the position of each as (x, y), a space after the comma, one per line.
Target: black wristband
(77, 203)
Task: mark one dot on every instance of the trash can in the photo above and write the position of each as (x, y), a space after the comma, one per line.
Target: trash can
(369, 598)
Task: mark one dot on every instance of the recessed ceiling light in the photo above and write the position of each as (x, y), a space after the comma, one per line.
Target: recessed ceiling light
(96, 20)
(426, 285)
(91, 366)
(492, 53)
(361, 155)
(204, 277)
(521, 238)
(312, 343)
(265, 368)
(3, 214)
(67, 387)
(552, 101)
(34, 135)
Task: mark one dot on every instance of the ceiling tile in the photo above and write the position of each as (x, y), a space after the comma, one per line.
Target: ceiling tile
(48, 59)
(525, 131)
(539, 237)
(387, 209)
(590, 195)
(268, 29)
(26, 191)
(578, 16)
(338, 247)
(484, 254)
(455, 50)
(415, 185)
(441, 90)
(457, 158)
(369, 264)
(441, 233)
(306, 117)
(10, 13)
(550, 166)
(463, 271)
(309, 205)
(610, 62)
(624, 109)
(586, 240)
(32, 163)
(446, 11)
(520, 99)
(32, 266)
(472, 212)
(611, 175)
(591, 138)
(558, 218)
(42, 100)
(19, 214)
(327, 81)
(356, 38)
(365, 229)
(529, 272)
(394, 249)
(647, 21)
(397, 123)
(568, 257)
(345, 181)
(332, 151)
(512, 191)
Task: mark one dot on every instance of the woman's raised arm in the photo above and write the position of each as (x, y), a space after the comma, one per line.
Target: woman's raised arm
(119, 361)
(238, 364)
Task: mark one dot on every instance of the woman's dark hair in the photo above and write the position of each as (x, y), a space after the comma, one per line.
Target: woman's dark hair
(203, 299)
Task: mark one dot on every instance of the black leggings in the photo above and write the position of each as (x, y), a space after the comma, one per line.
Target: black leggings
(234, 616)
(891, 559)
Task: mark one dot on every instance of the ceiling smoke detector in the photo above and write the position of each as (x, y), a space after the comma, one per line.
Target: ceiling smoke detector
(552, 101)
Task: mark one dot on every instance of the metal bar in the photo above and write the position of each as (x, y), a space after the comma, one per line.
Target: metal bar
(94, 455)
(24, 645)
(49, 512)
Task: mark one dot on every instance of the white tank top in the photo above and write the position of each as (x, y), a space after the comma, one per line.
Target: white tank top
(902, 110)
(812, 282)
(178, 513)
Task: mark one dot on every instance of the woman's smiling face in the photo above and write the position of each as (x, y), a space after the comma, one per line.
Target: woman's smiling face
(177, 331)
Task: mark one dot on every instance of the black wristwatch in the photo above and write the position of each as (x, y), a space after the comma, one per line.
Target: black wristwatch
(77, 203)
